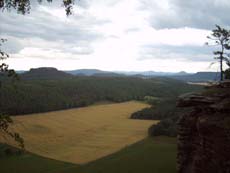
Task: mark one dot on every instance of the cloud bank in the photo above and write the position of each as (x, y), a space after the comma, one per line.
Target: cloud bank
(115, 35)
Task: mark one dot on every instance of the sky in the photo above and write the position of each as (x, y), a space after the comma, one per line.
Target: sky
(115, 35)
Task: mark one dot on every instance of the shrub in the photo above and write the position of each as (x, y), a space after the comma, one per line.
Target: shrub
(166, 127)
(227, 74)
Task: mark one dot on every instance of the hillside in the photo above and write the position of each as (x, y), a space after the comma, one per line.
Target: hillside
(44, 73)
(33, 94)
(52, 73)
(86, 72)
(188, 77)
(198, 77)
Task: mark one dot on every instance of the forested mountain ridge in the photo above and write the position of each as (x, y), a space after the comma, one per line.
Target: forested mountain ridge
(33, 94)
(86, 72)
(187, 77)
(198, 77)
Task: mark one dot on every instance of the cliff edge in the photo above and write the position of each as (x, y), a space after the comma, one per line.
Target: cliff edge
(204, 134)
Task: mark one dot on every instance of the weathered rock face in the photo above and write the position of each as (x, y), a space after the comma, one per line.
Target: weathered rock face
(204, 134)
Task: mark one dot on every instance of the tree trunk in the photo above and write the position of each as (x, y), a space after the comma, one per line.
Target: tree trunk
(221, 69)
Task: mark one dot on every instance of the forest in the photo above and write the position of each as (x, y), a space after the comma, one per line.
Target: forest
(33, 95)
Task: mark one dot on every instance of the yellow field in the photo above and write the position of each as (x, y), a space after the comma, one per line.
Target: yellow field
(83, 134)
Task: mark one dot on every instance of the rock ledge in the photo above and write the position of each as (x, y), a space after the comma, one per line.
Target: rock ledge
(204, 134)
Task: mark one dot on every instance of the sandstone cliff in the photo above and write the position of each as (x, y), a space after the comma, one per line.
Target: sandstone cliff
(204, 134)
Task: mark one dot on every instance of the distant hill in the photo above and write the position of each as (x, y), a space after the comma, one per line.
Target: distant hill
(199, 77)
(108, 74)
(96, 72)
(20, 71)
(86, 72)
(184, 76)
(44, 73)
(52, 73)
(151, 73)
(182, 73)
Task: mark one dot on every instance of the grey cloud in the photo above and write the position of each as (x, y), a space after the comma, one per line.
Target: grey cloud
(130, 30)
(113, 36)
(87, 3)
(186, 53)
(45, 27)
(78, 32)
(12, 46)
(80, 50)
(182, 13)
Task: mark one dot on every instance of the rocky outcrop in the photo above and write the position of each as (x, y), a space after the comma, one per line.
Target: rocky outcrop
(204, 134)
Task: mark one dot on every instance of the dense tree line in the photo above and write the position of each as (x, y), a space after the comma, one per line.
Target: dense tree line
(165, 109)
(168, 124)
(31, 96)
(166, 127)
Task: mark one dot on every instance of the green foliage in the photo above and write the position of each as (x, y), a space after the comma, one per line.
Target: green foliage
(31, 96)
(227, 74)
(4, 68)
(150, 155)
(166, 127)
(166, 111)
(151, 100)
(24, 6)
(5, 122)
(165, 108)
(166, 105)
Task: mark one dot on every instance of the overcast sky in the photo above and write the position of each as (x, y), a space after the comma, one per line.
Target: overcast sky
(121, 35)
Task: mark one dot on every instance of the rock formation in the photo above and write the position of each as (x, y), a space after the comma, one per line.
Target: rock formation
(204, 133)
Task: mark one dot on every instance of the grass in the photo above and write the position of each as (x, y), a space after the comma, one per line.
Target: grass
(148, 156)
(151, 155)
(29, 163)
(84, 134)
